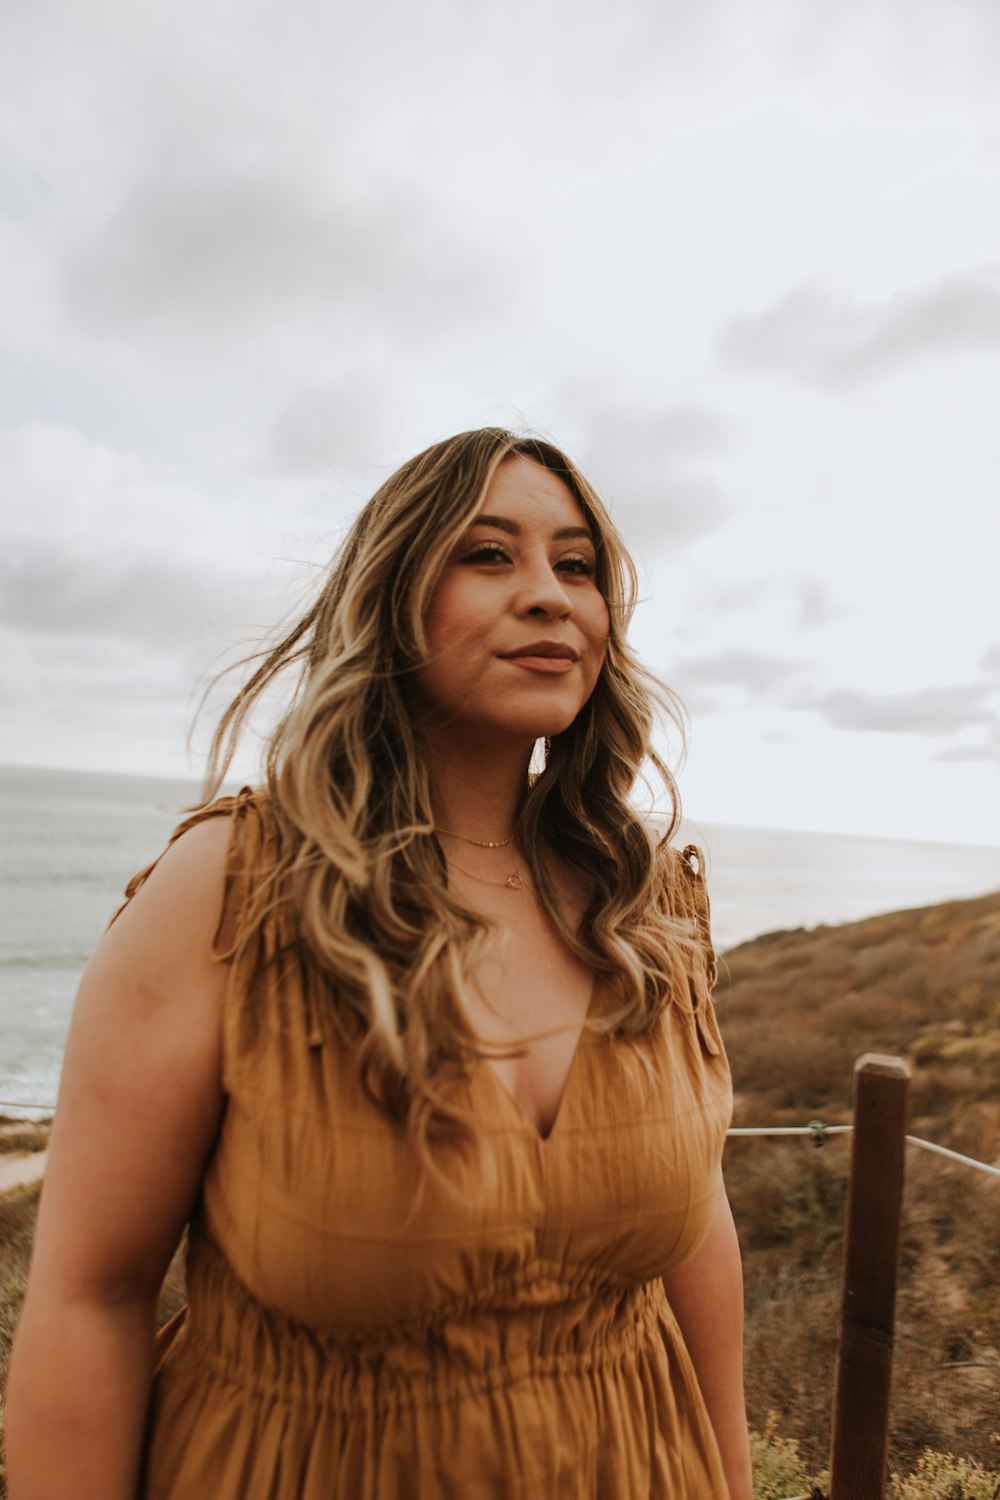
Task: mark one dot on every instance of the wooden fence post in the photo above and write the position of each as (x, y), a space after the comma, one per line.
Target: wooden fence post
(859, 1452)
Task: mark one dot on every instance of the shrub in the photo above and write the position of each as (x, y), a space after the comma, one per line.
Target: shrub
(942, 1476)
(778, 1470)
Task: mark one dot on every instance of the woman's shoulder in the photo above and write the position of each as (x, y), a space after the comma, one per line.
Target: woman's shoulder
(193, 878)
(184, 884)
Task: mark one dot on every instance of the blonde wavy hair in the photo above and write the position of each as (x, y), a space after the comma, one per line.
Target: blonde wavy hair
(357, 863)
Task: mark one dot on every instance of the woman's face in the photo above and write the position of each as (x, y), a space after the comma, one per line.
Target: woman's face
(517, 626)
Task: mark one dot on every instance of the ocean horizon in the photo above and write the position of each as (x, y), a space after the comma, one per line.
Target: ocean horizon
(72, 839)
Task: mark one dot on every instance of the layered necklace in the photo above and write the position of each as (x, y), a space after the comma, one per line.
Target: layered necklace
(514, 881)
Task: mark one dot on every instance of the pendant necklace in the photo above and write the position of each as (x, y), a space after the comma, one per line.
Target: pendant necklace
(513, 882)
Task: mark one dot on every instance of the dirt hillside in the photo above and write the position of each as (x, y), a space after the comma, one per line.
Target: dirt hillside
(796, 1009)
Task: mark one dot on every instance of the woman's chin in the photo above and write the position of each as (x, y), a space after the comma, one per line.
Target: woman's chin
(520, 729)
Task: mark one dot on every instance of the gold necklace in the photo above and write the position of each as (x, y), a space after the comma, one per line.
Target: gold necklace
(479, 843)
(512, 883)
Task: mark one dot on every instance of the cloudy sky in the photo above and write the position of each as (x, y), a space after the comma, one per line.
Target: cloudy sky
(742, 259)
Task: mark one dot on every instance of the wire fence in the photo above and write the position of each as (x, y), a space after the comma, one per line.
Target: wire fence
(819, 1133)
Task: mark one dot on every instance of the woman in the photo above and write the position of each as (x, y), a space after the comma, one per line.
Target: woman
(421, 1047)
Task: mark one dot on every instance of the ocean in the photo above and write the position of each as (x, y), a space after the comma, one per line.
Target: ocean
(70, 840)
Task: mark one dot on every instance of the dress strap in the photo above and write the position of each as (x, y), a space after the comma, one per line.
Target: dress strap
(693, 861)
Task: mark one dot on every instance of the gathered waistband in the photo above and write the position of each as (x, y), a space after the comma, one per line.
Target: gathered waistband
(545, 1320)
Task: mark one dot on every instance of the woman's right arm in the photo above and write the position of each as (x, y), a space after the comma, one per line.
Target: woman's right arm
(139, 1107)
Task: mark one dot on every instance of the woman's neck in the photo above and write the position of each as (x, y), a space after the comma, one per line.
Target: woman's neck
(476, 790)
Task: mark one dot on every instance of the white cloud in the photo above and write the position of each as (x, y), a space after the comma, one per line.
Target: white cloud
(653, 465)
(830, 338)
(985, 751)
(346, 422)
(209, 251)
(939, 710)
(706, 683)
(120, 587)
(86, 515)
(46, 588)
(809, 602)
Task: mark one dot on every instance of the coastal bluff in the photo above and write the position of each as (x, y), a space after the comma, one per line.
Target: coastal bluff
(796, 1008)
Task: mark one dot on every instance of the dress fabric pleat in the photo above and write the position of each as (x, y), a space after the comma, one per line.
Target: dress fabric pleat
(347, 1335)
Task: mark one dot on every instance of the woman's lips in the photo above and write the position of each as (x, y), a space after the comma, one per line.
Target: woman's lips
(555, 664)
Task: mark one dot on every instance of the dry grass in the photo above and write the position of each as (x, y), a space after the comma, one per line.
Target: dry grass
(17, 1136)
(17, 1223)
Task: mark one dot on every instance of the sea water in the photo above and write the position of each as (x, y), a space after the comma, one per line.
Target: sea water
(69, 842)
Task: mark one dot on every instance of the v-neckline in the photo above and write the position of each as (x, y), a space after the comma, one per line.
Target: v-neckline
(515, 1104)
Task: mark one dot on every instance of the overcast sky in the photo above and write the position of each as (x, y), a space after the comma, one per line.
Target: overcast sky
(741, 258)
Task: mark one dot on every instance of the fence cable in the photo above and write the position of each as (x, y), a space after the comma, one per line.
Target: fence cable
(815, 1128)
(967, 1161)
(819, 1132)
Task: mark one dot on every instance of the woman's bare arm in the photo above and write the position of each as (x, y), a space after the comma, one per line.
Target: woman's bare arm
(706, 1294)
(139, 1106)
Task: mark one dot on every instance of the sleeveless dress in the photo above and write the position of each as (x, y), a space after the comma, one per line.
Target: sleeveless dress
(347, 1338)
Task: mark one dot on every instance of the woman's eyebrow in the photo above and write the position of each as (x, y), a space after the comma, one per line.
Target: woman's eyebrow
(513, 528)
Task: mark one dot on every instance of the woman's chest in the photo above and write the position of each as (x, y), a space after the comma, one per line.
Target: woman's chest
(527, 1003)
(322, 1208)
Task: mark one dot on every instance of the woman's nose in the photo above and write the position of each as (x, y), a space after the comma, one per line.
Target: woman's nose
(543, 593)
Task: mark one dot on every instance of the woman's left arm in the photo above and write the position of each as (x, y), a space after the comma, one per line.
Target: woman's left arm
(706, 1294)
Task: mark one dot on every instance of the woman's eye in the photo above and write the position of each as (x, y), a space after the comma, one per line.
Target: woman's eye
(489, 552)
(492, 552)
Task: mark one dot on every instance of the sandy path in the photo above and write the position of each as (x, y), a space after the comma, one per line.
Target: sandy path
(15, 1170)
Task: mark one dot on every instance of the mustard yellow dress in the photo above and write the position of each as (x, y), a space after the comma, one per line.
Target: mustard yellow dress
(347, 1340)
